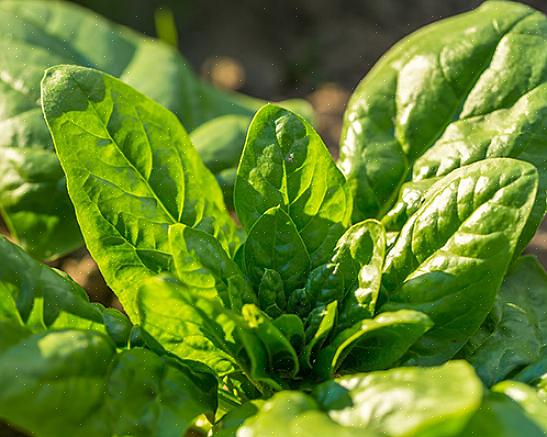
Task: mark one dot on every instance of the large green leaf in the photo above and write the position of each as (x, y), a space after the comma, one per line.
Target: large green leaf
(450, 257)
(100, 392)
(520, 333)
(466, 85)
(285, 164)
(131, 172)
(406, 402)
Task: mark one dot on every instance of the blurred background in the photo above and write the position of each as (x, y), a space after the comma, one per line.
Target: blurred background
(314, 49)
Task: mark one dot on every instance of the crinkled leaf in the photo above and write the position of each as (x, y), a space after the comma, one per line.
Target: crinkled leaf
(457, 75)
(131, 172)
(271, 293)
(285, 164)
(411, 196)
(521, 333)
(361, 245)
(450, 257)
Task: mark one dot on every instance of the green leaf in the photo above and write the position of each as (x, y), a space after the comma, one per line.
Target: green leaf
(35, 35)
(291, 326)
(405, 402)
(149, 395)
(230, 423)
(411, 196)
(202, 264)
(454, 251)
(521, 333)
(111, 393)
(274, 243)
(271, 293)
(131, 172)
(282, 357)
(285, 164)
(463, 71)
(360, 255)
(501, 416)
(291, 413)
(220, 141)
(527, 398)
(372, 344)
(353, 274)
(34, 296)
(188, 323)
(319, 334)
(535, 372)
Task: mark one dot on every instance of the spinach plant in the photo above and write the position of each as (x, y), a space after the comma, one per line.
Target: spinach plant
(37, 34)
(369, 298)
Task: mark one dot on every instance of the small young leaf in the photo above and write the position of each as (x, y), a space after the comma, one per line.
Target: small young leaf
(360, 254)
(281, 355)
(373, 344)
(274, 243)
(327, 319)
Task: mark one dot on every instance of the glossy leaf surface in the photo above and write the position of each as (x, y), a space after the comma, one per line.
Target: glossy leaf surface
(455, 250)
